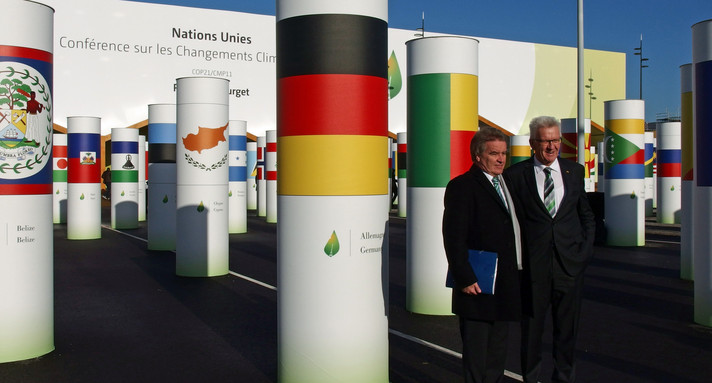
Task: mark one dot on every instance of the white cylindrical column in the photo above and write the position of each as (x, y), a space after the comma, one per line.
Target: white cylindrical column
(261, 180)
(625, 172)
(332, 191)
(162, 177)
(688, 180)
(402, 174)
(202, 239)
(237, 194)
(669, 182)
(442, 119)
(142, 158)
(59, 178)
(649, 180)
(124, 178)
(271, 176)
(601, 184)
(702, 104)
(84, 178)
(26, 230)
(251, 175)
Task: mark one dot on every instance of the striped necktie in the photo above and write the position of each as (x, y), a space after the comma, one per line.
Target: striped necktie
(498, 188)
(549, 196)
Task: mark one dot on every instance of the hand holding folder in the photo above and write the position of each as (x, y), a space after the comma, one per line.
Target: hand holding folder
(484, 264)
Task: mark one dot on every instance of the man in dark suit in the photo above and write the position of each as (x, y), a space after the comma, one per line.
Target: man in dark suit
(479, 215)
(558, 230)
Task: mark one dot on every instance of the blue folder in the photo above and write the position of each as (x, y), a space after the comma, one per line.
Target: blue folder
(484, 264)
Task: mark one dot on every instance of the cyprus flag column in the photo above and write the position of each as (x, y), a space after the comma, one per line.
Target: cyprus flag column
(202, 238)
(332, 116)
(26, 232)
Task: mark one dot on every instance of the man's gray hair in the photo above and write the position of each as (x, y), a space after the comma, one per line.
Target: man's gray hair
(482, 137)
(542, 122)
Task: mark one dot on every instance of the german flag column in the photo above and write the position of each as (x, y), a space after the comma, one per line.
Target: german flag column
(332, 94)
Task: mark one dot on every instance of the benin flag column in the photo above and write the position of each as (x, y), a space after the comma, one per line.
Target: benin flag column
(333, 198)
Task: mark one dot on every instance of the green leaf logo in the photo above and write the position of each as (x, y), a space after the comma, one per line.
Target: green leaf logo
(81, 197)
(122, 193)
(57, 191)
(395, 79)
(165, 198)
(332, 245)
(672, 188)
(201, 207)
(632, 195)
(229, 194)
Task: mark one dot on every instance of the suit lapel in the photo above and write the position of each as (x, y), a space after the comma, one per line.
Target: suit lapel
(567, 176)
(487, 185)
(530, 180)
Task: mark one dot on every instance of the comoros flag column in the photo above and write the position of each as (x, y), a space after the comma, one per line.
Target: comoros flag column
(333, 198)
(702, 106)
(625, 172)
(26, 232)
(442, 119)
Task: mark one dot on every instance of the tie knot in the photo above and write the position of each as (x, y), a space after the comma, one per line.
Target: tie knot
(547, 171)
(495, 181)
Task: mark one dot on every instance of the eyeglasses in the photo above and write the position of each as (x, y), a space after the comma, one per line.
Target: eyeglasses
(554, 141)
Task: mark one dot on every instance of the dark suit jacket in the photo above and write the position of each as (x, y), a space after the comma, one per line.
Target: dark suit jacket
(571, 231)
(475, 218)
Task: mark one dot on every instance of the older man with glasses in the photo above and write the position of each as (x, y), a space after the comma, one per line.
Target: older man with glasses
(558, 229)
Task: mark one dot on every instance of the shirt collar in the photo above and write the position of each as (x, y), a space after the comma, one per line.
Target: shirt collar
(539, 167)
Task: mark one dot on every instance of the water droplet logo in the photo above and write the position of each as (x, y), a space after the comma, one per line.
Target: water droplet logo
(332, 245)
(123, 193)
(632, 195)
(201, 207)
(165, 198)
(81, 197)
(229, 194)
(672, 188)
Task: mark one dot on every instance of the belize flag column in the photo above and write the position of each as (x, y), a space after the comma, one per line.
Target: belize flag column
(625, 172)
(702, 106)
(238, 178)
(59, 177)
(202, 238)
(442, 119)
(688, 147)
(332, 117)
(26, 232)
(124, 178)
(162, 182)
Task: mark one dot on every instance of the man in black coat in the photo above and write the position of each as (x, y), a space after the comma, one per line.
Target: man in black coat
(478, 216)
(558, 230)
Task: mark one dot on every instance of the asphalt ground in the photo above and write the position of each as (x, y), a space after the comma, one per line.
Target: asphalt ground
(122, 315)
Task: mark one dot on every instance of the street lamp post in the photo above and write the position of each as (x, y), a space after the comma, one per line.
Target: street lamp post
(591, 97)
(640, 53)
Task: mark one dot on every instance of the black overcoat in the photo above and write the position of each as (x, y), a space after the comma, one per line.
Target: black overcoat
(476, 218)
